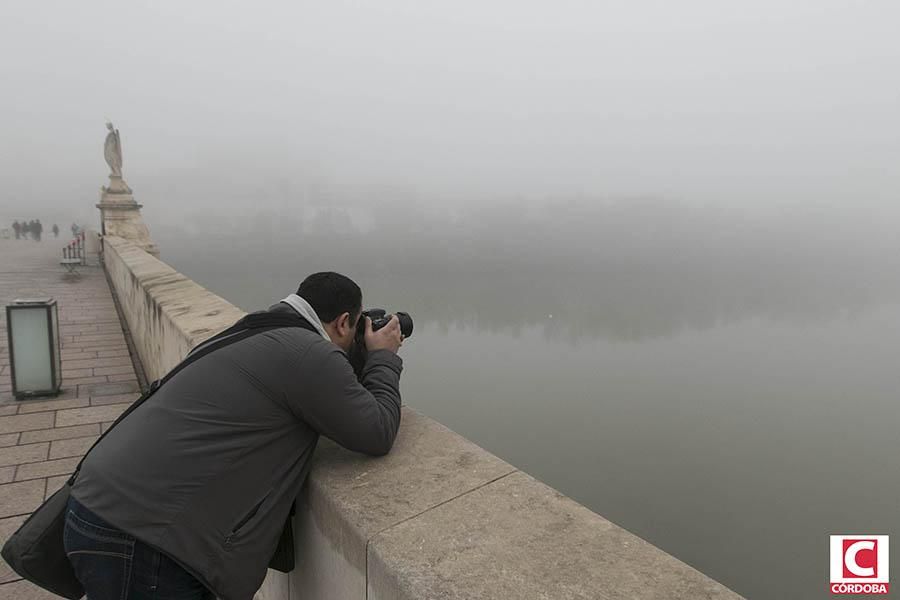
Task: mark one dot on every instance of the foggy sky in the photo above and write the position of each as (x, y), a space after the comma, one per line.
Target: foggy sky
(756, 104)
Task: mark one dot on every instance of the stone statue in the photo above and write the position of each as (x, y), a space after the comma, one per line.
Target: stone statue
(112, 151)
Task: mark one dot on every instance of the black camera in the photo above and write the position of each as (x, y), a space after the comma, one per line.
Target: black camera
(380, 318)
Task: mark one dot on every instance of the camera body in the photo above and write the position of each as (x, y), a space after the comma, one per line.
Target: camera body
(380, 318)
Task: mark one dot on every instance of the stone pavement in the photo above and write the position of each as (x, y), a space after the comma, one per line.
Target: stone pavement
(41, 441)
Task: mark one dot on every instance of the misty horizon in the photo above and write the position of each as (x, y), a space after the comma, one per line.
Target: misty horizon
(696, 102)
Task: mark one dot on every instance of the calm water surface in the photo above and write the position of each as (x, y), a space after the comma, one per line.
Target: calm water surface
(724, 387)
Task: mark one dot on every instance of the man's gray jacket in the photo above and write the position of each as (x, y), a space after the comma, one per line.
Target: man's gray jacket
(207, 468)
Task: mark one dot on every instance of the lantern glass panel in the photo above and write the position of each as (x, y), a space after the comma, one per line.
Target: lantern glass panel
(31, 348)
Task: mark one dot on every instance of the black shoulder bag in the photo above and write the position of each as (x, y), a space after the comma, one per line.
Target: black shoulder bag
(36, 552)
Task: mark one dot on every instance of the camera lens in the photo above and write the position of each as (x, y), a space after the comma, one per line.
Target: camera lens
(406, 323)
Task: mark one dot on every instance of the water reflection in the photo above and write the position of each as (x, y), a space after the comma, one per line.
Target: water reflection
(578, 270)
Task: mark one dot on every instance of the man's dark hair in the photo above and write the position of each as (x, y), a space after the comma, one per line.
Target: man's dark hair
(331, 294)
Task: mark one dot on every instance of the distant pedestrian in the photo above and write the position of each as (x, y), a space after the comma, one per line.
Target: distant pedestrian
(74, 229)
(55, 230)
(26, 229)
(17, 228)
(38, 229)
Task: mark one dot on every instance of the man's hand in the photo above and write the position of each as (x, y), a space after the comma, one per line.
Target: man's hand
(386, 338)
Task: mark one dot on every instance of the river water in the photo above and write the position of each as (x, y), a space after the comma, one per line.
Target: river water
(724, 385)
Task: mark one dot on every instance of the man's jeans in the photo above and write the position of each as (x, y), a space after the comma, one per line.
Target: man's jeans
(113, 565)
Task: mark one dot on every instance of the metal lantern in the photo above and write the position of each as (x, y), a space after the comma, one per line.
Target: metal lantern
(33, 329)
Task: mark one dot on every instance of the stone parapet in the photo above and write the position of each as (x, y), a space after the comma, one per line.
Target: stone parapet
(167, 313)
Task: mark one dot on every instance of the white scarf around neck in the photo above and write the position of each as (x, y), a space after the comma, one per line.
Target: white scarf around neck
(307, 312)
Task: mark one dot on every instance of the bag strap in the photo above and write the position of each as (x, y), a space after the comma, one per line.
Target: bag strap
(249, 325)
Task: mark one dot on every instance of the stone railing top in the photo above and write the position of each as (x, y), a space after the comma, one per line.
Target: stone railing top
(197, 312)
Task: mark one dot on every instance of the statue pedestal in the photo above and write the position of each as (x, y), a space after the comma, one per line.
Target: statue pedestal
(120, 215)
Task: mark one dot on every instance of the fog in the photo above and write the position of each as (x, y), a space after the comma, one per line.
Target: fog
(225, 106)
(650, 247)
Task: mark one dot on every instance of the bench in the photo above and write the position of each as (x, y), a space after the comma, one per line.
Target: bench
(71, 264)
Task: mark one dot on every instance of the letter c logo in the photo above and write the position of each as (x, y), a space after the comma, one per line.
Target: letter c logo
(850, 558)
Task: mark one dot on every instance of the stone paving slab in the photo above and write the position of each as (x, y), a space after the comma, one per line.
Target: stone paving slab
(72, 447)
(29, 453)
(47, 468)
(109, 389)
(60, 433)
(42, 440)
(7, 474)
(15, 423)
(115, 399)
(91, 414)
(123, 378)
(21, 498)
(32, 407)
